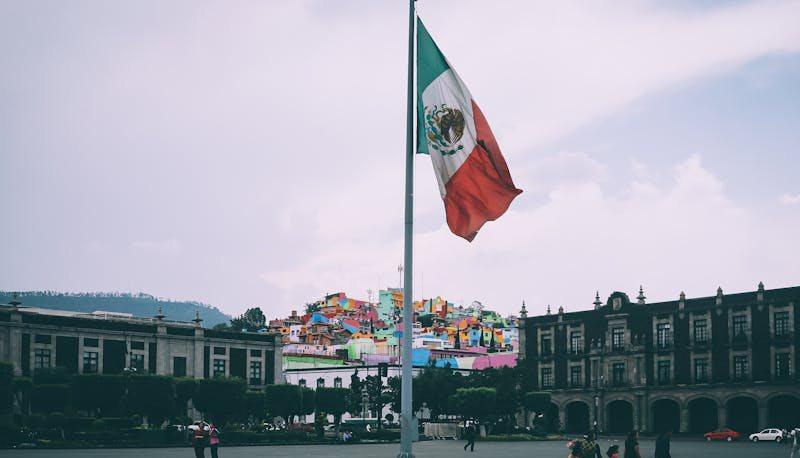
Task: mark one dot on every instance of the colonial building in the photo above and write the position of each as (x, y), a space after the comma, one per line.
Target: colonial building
(112, 343)
(691, 365)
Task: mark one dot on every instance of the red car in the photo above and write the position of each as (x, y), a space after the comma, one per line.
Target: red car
(726, 434)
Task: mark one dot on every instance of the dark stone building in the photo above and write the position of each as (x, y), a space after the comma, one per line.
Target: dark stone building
(691, 365)
(111, 343)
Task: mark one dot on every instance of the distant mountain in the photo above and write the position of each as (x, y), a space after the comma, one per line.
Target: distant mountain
(139, 304)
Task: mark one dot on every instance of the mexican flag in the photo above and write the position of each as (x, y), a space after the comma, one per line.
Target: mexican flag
(473, 177)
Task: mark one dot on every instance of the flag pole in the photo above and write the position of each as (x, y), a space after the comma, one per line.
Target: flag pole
(406, 412)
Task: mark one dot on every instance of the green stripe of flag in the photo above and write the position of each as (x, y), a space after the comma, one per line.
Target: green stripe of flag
(430, 64)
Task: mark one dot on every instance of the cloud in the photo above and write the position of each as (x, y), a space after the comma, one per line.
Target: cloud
(266, 141)
(790, 199)
(684, 235)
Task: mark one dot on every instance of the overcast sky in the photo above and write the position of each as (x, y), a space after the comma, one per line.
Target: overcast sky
(251, 153)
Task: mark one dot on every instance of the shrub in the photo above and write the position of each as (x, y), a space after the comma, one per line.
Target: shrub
(101, 394)
(49, 398)
(151, 395)
(6, 386)
(220, 398)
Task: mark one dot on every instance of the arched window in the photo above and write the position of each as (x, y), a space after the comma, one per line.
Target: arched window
(320, 382)
(337, 382)
(302, 382)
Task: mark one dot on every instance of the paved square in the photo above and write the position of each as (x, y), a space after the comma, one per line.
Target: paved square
(432, 449)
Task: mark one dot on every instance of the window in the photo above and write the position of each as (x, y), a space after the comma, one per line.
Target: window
(179, 366)
(219, 367)
(547, 346)
(575, 376)
(137, 345)
(337, 382)
(618, 374)
(663, 335)
(89, 342)
(618, 338)
(255, 372)
(43, 338)
(700, 331)
(302, 382)
(41, 358)
(575, 342)
(547, 377)
(255, 353)
(781, 323)
(137, 362)
(741, 367)
(701, 370)
(320, 382)
(664, 372)
(782, 366)
(90, 362)
(220, 350)
(739, 326)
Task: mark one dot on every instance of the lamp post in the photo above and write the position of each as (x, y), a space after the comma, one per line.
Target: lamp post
(597, 392)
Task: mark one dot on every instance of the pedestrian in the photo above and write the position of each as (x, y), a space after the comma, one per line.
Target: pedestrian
(632, 445)
(613, 451)
(795, 441)
(213, 440)
(199, 432)
(662, 445)
(594, 447)
(469, 432)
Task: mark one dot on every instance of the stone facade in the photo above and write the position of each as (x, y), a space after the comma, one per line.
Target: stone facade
(112, 343)
(689, 365)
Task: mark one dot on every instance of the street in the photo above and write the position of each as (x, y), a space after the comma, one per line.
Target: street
(431, 449)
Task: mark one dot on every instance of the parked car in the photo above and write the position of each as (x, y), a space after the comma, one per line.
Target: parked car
(726, 434)
(769, 434)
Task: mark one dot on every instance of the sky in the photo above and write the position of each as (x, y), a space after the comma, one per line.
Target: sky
(251, 153)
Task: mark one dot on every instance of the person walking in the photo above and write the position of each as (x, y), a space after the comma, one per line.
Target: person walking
(594, 447)
(213, 440)
(469, 432)
(199, 431)
(662, 445)
(795, 441)
(632, 445)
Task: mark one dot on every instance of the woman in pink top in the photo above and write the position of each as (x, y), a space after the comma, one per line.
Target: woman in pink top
(213, 440)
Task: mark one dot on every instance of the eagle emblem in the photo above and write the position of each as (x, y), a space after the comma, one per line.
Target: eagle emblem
(444, 127)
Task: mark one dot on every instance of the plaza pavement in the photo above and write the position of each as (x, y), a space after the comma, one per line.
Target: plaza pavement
(430, 449)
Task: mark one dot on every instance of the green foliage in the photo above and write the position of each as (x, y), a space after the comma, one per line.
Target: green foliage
(536, 401)
(185, 388)
(433, 388)
(6, 386)
(478, 403)
(307, 401)
(354, 400)
(282, 400)
(255, 405)
(98, 393)
(50, 398)
(51, 376)
(220, 398)
(332, 401)
(151, 395)
(251, 320)
(21, 388)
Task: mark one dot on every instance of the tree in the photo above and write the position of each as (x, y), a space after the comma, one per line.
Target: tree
(476, 403)
(51, 376)
(98, 394)
(153, 396)
(354, 401)
(254, 405)
(50, 398)
(282, 401)
(377, 396)
(251, 320)
(6, 387)
(333, 401)
(185, 388)
(433, 388)
(22, 393)
(220, 398)
(508, 395)
(536, 402)
(307, 402)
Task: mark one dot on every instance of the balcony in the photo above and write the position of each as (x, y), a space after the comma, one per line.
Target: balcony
(576, 347)
(785, 337)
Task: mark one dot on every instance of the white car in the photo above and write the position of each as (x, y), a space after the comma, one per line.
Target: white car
(769, 434)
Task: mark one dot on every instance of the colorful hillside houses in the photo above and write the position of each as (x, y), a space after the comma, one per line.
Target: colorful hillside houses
(338, 330)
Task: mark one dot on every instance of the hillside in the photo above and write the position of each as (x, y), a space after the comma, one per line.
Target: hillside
(139, 304)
